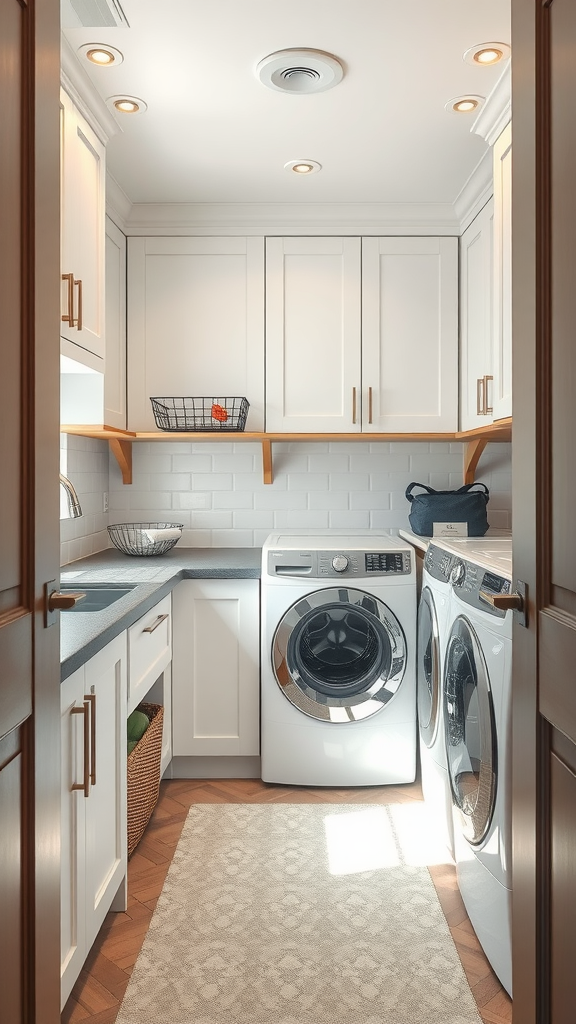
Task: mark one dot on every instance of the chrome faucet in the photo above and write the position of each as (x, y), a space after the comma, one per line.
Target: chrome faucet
(74, 506)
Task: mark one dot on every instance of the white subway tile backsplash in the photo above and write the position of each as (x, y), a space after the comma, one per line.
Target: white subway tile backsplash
(216, 488)
(349, 520)
(191, 463)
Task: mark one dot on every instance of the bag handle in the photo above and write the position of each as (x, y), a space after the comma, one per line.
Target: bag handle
(461, 490)
(425, 487)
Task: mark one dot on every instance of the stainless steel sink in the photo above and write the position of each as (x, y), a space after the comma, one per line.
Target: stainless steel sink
(98, 595)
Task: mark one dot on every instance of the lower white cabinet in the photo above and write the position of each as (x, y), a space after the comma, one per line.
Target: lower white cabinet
(215, 668)
(93, 826)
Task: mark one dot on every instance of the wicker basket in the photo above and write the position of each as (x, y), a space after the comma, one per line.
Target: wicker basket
(144, 775)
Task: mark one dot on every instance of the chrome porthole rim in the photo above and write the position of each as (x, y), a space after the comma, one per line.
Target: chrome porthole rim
(332, 709)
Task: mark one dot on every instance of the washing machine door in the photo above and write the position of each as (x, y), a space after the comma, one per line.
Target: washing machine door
(470, 731)
(428, 662)
(339, 655)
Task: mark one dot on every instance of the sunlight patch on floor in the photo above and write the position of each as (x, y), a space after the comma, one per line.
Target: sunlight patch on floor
(382, 837)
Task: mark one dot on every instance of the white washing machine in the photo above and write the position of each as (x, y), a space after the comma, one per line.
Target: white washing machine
(433, 626)
(338, 660)
(477, 713)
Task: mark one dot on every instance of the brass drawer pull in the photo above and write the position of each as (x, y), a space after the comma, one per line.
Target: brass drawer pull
(150, 629)
(353, 405)
(85, 784)
(369, 405)
(68, 317)
(488, 409)
(481, 396)
(91, 698)
(79, 318)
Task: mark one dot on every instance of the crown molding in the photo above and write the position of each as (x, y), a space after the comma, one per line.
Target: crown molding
(118, 206)
(497, 111)
(476, 192)
(292, 219)
(81, 91)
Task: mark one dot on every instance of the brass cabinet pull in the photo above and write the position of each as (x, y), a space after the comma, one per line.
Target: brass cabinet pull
(481, 396)
(503, 601)
(369, 405)
(69, 317)
(79, 318)
(488, 409)
(61, 602)
(150, 629)
(91, 698)
(85, 784)
(353, 405)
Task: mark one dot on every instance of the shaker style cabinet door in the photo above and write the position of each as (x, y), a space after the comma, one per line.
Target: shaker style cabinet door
(409, 334)
(476, 312)
(502, 335)
(313, 334)
(215, 668)
(82, 231)
(115, 375)
(195, 323)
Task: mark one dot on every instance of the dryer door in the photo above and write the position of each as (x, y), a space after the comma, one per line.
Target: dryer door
(470, 731)
(429, 680)
(339, 655)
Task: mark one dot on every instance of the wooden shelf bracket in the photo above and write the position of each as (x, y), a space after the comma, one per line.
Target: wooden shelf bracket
(122, 452)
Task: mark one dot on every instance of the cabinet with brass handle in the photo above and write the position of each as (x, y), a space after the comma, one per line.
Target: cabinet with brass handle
(476, 302)
(93, 801)
(83, 235)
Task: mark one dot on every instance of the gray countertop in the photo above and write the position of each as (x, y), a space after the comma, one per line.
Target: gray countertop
(83, 634)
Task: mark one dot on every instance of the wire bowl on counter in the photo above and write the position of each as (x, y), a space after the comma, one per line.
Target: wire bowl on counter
(188, 414)
(145, 538)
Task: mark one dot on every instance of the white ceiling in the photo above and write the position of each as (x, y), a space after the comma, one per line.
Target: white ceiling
(213, 133)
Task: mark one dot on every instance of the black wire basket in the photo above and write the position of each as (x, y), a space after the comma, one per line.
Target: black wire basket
(189, 414)
(145, 538)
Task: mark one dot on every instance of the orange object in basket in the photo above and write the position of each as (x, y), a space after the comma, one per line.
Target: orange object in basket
(219, 413)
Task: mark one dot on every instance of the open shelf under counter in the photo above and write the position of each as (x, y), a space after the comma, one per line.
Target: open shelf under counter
(121, 441)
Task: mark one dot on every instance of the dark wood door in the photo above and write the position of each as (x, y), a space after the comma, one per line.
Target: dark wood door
(544, 446)
(29, 657)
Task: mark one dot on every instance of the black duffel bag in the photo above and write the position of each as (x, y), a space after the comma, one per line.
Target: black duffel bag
(465, 505)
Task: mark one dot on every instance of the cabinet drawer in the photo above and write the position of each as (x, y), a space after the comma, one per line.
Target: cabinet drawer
(149, 650)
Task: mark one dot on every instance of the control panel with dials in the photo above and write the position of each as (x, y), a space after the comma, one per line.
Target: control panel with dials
(346, 564)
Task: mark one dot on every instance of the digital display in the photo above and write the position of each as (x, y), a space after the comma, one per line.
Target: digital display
(495, 584)
(384, 562)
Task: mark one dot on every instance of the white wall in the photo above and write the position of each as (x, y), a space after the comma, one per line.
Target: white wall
(84, 461)
(216, 489)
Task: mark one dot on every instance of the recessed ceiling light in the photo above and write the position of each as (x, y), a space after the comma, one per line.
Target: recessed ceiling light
(486, 54)
(303, 166)
(103, 55)
(127, 104)
(463, 104)
(300, 71)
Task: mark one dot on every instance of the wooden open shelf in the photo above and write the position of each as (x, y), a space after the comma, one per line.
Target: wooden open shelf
(121, 441)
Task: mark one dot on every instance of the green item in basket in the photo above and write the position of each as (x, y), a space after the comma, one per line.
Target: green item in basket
(137, 724)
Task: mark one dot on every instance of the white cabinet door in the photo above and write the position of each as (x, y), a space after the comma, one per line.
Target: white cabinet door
(82, 231)
(106, 839)
(115, 375)
(215, 667)
(476, 297)
(409, 334)
(502, 402)
(313, 334)
(93, 849)
(195, 322)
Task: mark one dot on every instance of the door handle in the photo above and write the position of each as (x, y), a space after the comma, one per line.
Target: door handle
(369, 405)
(481, 396)
(150, 629)
(61, 602)
(353, 405)
(503, 601)
(78, 321)
(85, 784)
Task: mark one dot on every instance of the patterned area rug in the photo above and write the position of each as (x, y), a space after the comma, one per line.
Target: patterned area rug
(298, 914)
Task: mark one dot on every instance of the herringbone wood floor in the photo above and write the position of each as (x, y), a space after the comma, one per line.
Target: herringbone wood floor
(97, 995)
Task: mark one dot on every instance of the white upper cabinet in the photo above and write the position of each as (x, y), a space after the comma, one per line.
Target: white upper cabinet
(313, 343)
(476, 315)
(409, 334)
(115, 376)
(503, 274)
(362, 334)
(82, 237)
(195, 322)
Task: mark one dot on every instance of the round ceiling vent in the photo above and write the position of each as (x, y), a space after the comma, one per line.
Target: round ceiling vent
(300, 71)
